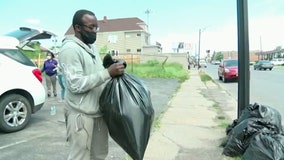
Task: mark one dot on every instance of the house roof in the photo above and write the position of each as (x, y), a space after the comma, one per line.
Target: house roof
(112, 25)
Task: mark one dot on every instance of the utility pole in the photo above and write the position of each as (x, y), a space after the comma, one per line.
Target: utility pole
(260, 44)
(148, 11)
(243, 56)
(199, 43)
(199, 39)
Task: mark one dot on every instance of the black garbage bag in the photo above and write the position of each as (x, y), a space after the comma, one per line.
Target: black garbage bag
(241, 135)
(265, 147)
(270, 115)
(127, 109)
(231, 126)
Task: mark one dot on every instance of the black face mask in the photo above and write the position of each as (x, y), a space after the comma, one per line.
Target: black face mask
(88, 37)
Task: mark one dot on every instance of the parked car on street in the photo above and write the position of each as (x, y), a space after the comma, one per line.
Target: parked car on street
(21, 89)
(202, 63)
(263, 65)
(228, 70)
(277, 61)
(215, 62)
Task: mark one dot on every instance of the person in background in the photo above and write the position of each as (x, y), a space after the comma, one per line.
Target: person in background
(85, 78)
(49, 67)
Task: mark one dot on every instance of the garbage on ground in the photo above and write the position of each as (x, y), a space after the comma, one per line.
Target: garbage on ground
(265, 146)
(127, 109)
(254, 133)
(52, 110)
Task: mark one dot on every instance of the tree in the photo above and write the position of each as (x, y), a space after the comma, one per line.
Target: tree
(219, 56)
(278, 54)
(104, 50)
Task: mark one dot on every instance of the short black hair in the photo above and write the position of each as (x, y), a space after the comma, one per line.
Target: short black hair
(49, 52)
(77, 18)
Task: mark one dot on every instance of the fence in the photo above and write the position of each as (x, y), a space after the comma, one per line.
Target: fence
(142, 58)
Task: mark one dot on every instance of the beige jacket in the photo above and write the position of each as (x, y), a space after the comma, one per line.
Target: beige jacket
(84, 74)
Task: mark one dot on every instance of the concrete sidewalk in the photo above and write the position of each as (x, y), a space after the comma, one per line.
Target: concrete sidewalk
(190, 128)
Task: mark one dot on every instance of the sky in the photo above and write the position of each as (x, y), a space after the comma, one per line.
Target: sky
(169, 22)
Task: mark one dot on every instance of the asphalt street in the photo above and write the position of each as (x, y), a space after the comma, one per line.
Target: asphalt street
(45, 136)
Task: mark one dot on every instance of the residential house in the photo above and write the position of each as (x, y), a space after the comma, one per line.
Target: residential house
(123, 35)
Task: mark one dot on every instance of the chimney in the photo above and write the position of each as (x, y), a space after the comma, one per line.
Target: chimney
(105, 19)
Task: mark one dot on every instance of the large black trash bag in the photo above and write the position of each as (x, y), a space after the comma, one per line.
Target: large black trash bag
(265, 147)
(270, 115)
(241, 135)
(231, 126)
(127, 109)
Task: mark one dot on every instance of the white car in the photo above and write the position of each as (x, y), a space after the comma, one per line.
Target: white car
(202, 63)
(21, 89)
(277, 61)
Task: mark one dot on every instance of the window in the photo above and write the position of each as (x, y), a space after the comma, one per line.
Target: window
(112, 38)
(17, 56)
(138, 34)
(147, 40)
(138, 50)
(128, 50)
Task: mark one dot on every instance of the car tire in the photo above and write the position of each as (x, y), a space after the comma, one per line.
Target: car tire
(220, 77)
(17, 110)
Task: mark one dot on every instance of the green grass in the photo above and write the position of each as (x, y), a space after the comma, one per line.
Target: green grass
(279, 67)
(204, 77)
(224, 125)
(156, 69)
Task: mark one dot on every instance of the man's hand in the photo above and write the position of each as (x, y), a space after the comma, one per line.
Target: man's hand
(116, 69)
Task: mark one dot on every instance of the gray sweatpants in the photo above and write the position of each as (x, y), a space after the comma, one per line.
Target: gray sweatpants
(87, 136)
(51, 81)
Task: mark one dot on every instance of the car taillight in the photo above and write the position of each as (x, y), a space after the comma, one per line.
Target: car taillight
(37, 74)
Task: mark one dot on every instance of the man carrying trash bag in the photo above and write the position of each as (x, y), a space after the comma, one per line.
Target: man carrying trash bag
(82, 68)
(127, 110)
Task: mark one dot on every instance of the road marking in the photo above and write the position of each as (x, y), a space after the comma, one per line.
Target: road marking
(19, 142)
(12, 144)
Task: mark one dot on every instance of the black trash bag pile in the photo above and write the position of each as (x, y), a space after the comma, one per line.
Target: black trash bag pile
(265, 146)
(127, 109)
(255, 119)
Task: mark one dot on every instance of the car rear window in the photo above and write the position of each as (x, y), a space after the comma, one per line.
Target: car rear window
(17, 56)
(230, 63)
(265, 61)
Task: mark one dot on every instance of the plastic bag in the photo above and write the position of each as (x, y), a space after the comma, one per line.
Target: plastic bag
(241, 135)
(265, 147)
(127, 109)
(268, 114)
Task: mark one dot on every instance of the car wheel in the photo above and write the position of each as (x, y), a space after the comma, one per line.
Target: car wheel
(270, 68)
(15, 112)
